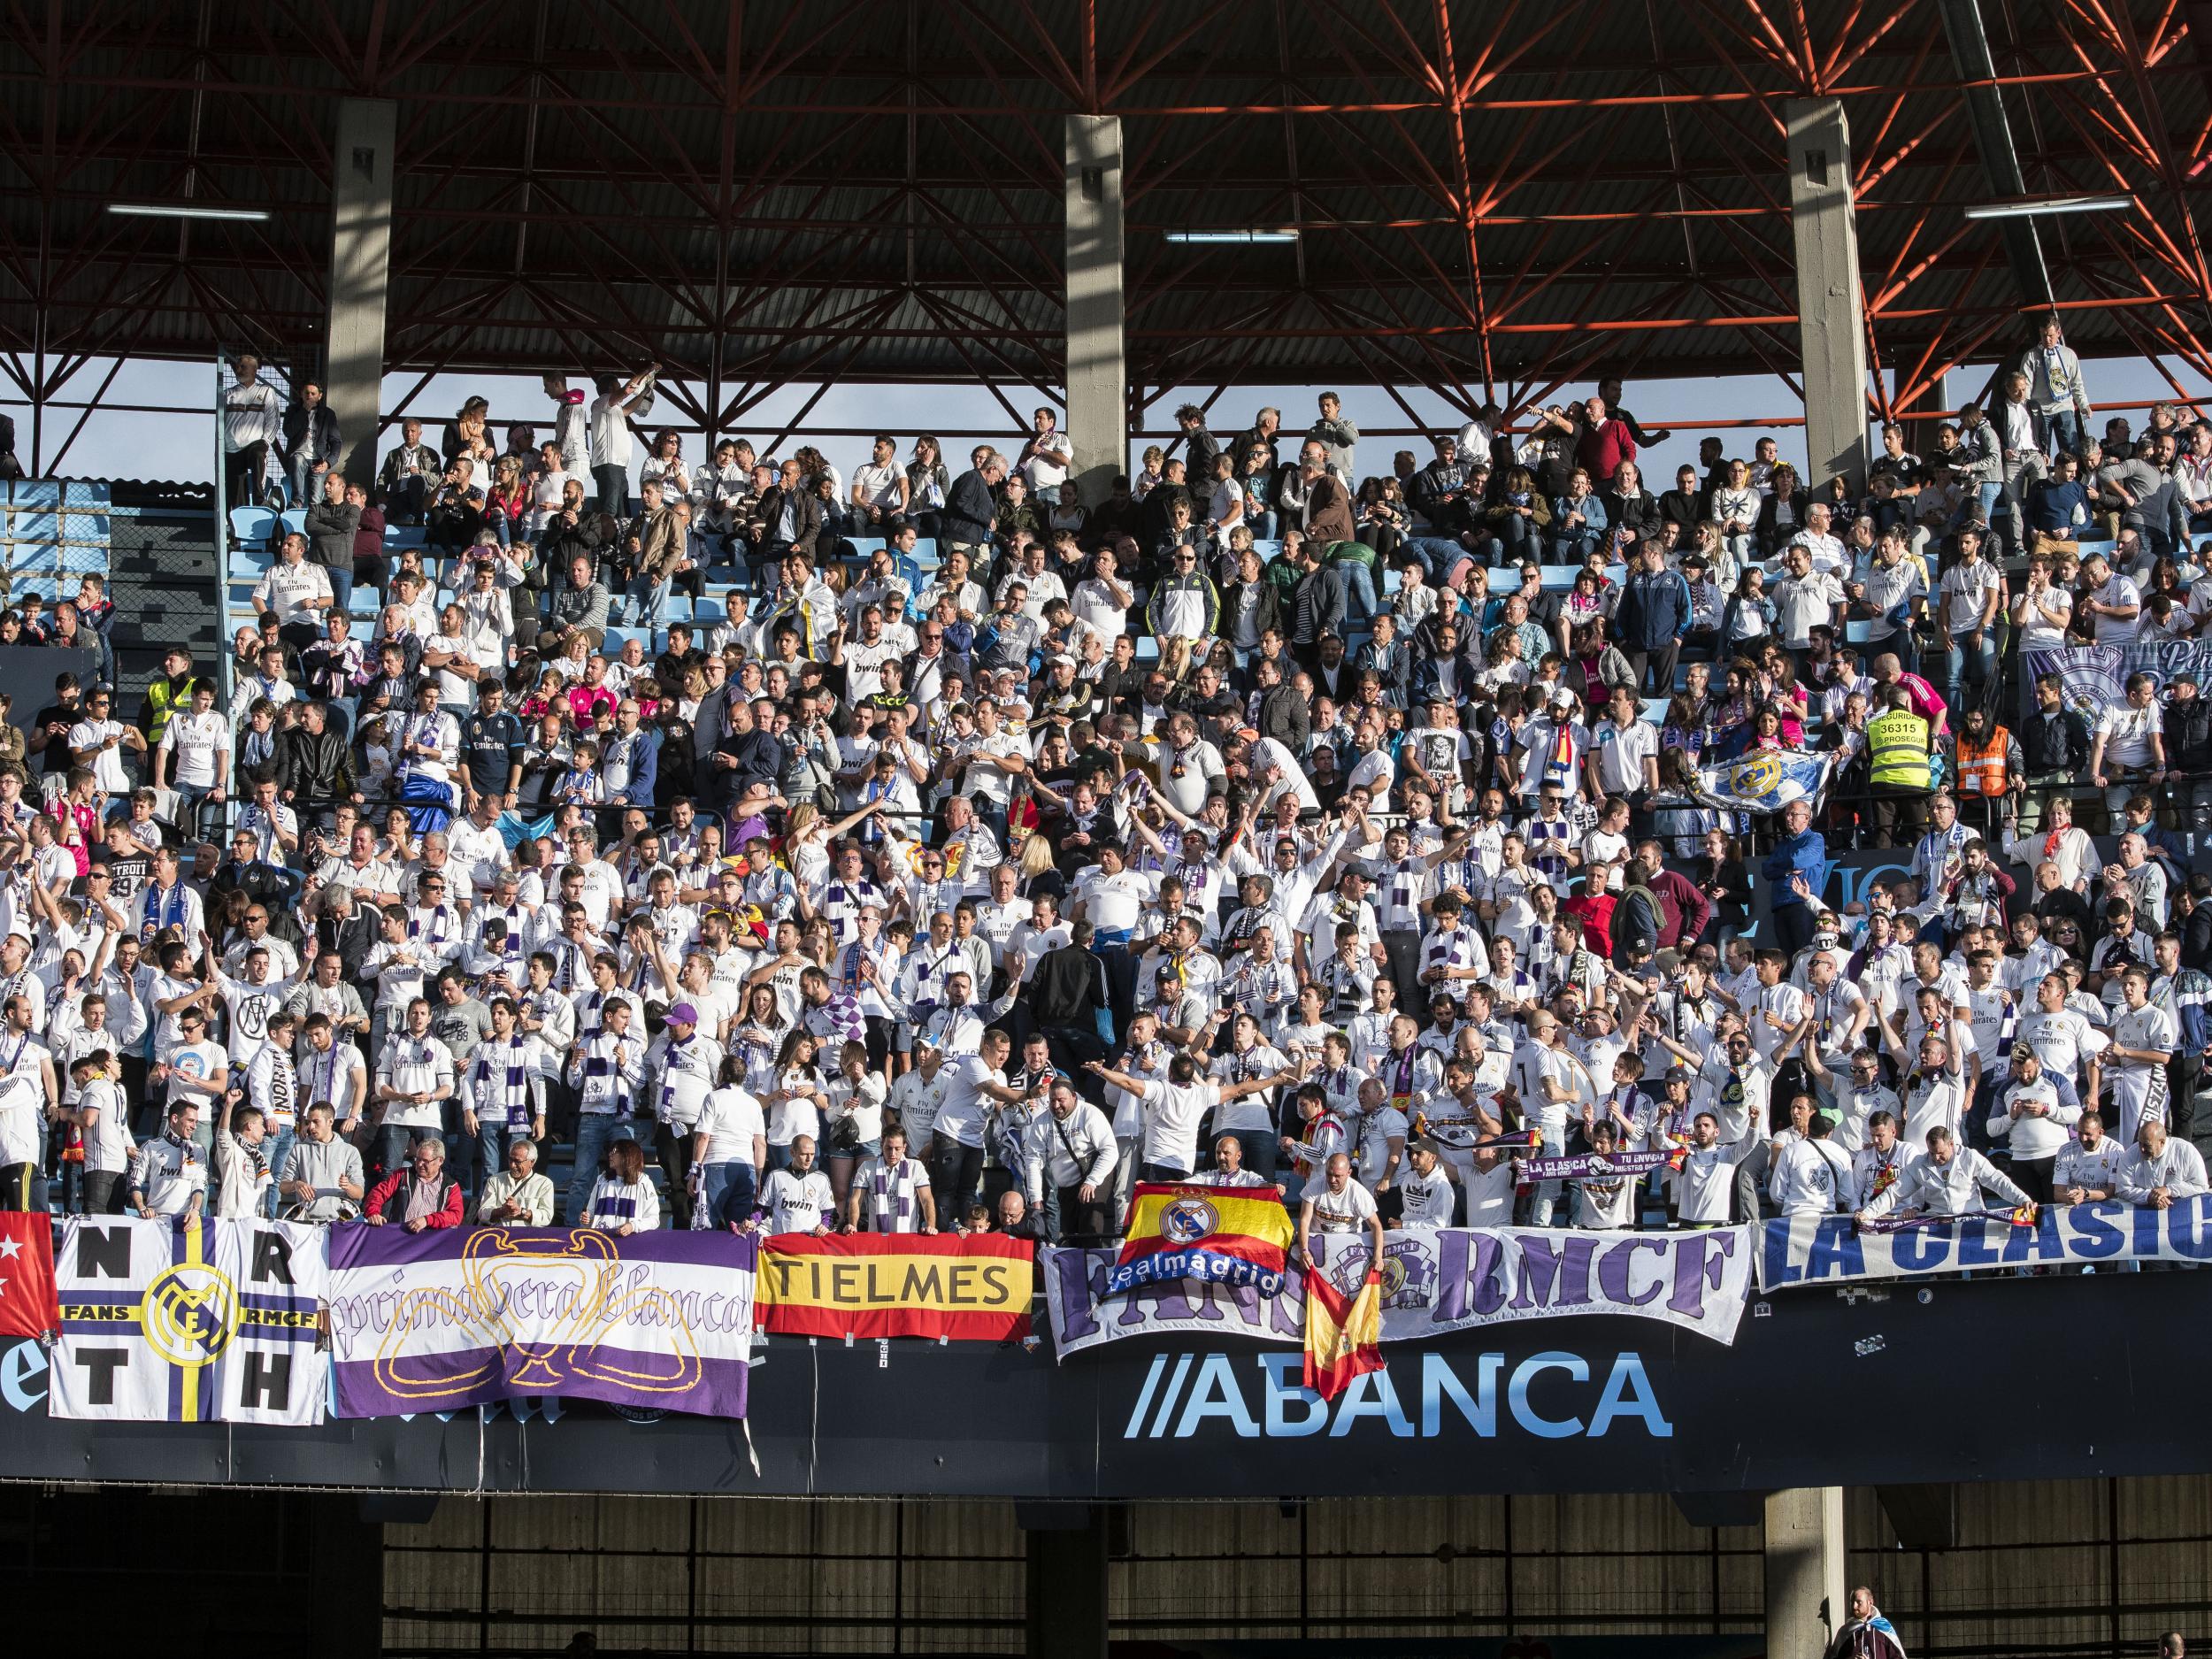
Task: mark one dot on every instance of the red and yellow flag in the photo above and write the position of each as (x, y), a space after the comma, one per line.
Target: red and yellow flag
(974, 1288)
(1343, 1333)
(1230, 1235)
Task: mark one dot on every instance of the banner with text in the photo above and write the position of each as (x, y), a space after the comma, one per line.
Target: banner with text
(2094, 677)
(1830, 1251)
(974, 1288)
(441, 1319)
(1434, 1281)
(169, 1323)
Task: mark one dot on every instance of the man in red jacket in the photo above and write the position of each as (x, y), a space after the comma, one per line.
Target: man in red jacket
(419, 1193)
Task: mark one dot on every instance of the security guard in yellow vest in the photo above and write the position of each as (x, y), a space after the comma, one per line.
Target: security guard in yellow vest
(168, 693)
(1898, 742)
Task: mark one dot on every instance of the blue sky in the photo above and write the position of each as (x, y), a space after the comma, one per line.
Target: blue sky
(120, 443)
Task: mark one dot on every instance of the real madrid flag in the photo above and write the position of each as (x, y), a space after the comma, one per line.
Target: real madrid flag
(1228, 1235)
(171, 1322)
(1765, 780)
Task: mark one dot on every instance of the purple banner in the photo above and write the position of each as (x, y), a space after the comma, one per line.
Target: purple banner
(1434, 1281)
(438, 1320)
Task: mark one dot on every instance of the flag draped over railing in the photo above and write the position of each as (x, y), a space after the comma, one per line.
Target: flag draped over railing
(1765, 780)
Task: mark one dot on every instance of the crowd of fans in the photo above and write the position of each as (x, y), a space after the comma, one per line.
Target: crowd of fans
(941, 847)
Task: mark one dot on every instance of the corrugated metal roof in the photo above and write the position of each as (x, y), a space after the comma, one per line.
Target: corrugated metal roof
(882, 194)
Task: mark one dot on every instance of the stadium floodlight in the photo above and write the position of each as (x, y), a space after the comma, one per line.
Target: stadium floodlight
(1229, 235)
(2052, 207)
(187, 210)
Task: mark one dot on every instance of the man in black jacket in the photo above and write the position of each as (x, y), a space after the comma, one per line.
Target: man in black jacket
(2053, 748)
(347, 929)
(1157, 512)
(1123, 677)
(1316, 605)
(787, 519)
(1067, 990)
(1286, 713)
(1439, 492)
(311, 442)
(746, 755)
(971, 509)
(1201, 449)
(314, 767)
(2188, 731)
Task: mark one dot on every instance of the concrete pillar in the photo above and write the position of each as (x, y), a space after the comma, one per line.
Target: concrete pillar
(1830, 310)
(1065, 1589)
(1098, 368)
(1807, 1596)
(360, 271)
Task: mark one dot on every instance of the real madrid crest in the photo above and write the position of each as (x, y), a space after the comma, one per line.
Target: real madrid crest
(1187, 1220)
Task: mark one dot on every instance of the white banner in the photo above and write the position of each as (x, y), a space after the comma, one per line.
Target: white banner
(168, 1324)
(1433, 1281)
(1830, 1251)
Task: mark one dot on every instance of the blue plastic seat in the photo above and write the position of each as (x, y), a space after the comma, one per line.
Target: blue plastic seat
(252, 526)
(397, 538)
(709, 610)
(38, 494)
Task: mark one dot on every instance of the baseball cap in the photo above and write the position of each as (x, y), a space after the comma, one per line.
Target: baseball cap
(1680, 1074)
(683, 1014)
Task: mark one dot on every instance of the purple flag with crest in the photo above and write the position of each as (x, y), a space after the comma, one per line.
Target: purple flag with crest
(438, 1320)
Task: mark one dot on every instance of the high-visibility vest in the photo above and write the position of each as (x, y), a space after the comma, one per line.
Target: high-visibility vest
(1897, 750)
(1982, 768)
(166, 700)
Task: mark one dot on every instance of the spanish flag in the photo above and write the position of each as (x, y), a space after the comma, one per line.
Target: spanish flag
(1343, 1333)
(1228, 1235)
